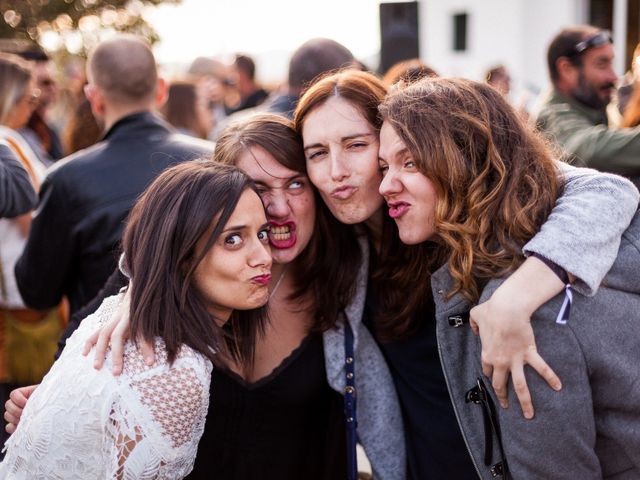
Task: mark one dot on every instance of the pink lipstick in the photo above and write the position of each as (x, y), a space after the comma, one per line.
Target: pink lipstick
(398, 209)
(262, 279)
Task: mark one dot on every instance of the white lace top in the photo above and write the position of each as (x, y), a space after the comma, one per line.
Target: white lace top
(83, 423)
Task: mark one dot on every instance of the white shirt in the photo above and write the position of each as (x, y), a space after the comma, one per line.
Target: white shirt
(83, 423)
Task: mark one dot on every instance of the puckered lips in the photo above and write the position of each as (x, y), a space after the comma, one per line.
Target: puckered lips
(345, 192)
(262, 279)
(282, 234)
(397, 209)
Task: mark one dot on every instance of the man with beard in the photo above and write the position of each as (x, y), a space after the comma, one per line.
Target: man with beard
(580, 61)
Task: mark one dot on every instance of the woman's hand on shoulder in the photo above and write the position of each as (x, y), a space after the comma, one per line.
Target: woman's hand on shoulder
(508, 342)
(115, 334)
(15, 405)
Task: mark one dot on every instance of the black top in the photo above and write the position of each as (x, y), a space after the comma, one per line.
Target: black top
(435, 447)
(288, 425)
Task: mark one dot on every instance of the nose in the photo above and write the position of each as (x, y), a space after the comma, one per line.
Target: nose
(260, 255)
(277, 205)
(390, 184)
(338, 170)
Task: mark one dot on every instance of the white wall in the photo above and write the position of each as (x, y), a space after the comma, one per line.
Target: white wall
(512, 32)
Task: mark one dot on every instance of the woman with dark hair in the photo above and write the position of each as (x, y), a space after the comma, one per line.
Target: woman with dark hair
(196, 246)
(187, 109)
(339, 122)
(465, 176)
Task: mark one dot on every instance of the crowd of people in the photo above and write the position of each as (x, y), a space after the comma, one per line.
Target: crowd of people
(250, 283)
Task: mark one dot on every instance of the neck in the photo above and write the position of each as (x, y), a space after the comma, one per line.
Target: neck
(115, 114)
(374, 226)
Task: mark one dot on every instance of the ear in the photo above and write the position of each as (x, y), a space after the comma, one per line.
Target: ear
(567, 71)
(96, 99)
(161, 92)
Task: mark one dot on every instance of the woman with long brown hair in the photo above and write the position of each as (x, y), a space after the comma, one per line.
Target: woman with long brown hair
(463, 174)
(339, 122)
(196, 246)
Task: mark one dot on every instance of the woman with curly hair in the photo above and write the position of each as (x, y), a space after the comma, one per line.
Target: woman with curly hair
(465, 176)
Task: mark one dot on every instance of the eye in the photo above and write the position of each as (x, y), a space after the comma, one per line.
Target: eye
(356, 145)
(383, 167)
(233, 240)
(263, 235)
(315, 155)
(296, 185)
(409, 164)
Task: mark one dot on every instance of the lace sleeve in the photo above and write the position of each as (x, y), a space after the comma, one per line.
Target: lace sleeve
(157, 418)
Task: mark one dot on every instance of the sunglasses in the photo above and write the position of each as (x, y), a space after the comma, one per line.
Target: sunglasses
(597, 40)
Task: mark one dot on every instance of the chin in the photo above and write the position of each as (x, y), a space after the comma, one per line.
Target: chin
(412, 237)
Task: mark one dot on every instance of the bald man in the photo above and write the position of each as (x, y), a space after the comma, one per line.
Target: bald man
(73, 244)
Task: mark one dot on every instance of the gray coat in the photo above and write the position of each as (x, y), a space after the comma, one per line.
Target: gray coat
(16, 192)
(380, 429)
(591, 428)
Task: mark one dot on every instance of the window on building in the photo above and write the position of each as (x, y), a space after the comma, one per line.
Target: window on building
(460, 22)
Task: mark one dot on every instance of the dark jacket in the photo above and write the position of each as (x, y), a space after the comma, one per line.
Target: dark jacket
(16, 193)
(75, 234)
(590, 429)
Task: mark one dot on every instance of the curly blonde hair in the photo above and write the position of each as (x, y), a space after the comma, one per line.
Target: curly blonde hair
(495, 179)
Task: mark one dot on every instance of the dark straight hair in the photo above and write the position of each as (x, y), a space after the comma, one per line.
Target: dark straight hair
(180, 207)
(328, 267)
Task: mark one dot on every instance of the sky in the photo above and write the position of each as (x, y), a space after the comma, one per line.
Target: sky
(269, 30)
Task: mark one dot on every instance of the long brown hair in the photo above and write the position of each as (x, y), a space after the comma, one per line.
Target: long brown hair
(363, 90)
(160, 245)
(495, 179)
(397, 276)
(181, 108)
(327, 268)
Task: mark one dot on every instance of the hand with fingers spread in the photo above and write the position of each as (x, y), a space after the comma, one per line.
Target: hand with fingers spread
(504, 325)
(115, 334)
(15, 405)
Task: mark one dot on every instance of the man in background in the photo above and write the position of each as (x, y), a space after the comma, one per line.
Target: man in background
(75, 234)
(580, 61)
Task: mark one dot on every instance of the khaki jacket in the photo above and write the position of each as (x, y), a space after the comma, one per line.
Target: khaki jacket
(586, 138)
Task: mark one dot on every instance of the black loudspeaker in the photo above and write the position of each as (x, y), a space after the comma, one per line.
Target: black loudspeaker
(399, 39)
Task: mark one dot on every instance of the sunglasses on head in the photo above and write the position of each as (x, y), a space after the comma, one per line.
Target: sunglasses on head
(597, 40)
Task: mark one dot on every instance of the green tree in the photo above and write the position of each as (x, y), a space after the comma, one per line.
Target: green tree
(74, 25)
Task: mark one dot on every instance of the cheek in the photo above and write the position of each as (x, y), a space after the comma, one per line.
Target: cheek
(304, 210)
(318, 175)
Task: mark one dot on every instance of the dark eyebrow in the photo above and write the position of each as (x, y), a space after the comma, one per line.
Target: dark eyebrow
(348, 137)
(234, 227)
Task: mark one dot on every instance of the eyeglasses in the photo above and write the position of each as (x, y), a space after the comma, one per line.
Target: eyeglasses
(597, 40)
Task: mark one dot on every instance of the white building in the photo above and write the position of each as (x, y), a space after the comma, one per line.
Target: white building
(465, 37)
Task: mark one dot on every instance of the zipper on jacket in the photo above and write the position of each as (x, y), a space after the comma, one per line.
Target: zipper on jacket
(455, 409)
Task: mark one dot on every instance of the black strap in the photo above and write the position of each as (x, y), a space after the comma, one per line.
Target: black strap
(350, 403)
(480, 396)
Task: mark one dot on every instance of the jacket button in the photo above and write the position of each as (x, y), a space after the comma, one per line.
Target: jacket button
(458, 319)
